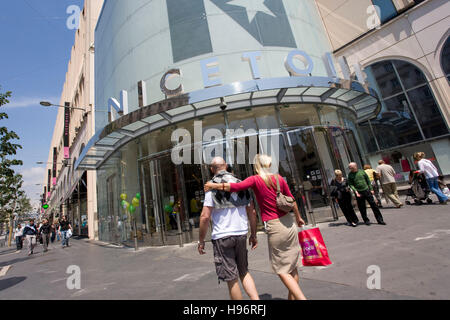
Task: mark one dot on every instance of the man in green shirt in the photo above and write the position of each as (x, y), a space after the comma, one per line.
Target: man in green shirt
(359, 182)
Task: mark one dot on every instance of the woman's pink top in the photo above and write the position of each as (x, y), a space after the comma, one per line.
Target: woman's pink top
(266, 197)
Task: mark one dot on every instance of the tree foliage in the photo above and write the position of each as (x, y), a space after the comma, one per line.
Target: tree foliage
(10, 181)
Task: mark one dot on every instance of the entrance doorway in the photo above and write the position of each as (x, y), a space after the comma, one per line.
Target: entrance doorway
(173, 199)
(307, 157)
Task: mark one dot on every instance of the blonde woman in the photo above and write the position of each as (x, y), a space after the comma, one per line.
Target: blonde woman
(284, 247)
(431, 174)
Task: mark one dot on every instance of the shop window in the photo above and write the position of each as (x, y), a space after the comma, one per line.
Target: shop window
(407, 102)
(387, 9)
(427, 113)
(445, 59)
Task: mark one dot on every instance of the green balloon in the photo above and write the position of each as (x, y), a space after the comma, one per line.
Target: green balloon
(168, 208)
(138, 195)
(123, 196)
(125, 204)
(132, 209)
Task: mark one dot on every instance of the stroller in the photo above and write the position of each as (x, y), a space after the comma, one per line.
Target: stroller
(419, 190)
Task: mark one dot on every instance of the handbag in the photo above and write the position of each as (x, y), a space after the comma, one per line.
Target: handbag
(314, 251)
(284, 203)
(69, 233)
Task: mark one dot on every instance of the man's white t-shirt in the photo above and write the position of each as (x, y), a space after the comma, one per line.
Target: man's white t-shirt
(227, 222)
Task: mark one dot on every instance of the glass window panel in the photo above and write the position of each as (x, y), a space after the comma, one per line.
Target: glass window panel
(299, 115)
(329, 116)
(395, 125)
(427, 112)
(387, 8)
(410, 75)
(315, 91)
(385, 78)
(445, 59)
(256, 118)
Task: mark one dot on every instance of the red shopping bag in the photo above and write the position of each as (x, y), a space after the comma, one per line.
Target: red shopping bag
(314, 251)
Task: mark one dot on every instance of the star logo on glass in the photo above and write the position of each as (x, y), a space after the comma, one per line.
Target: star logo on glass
(265, 20)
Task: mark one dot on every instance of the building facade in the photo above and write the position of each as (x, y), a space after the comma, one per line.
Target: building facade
(67, 191)
(186, 80)
(405, 56)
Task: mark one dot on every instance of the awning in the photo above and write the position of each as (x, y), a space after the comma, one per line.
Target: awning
(352, 95)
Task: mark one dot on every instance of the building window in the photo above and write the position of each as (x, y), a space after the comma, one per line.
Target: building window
(387, 9)
(445, 59)
(409, 111)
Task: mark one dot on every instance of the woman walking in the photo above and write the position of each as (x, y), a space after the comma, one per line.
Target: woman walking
(343, 196)
(431, 174)
(284, 247)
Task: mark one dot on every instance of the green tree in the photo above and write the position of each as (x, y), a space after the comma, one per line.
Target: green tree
(10, 181)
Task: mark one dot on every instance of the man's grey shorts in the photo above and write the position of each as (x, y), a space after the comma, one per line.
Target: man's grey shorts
(230, 257)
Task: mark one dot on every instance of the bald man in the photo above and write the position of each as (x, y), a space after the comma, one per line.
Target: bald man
(231, 214)
(359, 182)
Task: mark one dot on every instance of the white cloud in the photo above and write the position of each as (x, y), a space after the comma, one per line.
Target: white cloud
(24, 102)
(31, 177)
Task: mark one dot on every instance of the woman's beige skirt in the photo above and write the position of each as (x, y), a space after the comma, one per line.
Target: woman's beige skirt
(284, 247)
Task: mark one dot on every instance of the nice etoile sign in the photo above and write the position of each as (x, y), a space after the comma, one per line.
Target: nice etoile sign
(211, 76)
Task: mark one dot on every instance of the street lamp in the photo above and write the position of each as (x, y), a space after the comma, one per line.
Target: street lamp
(64, 163)
(48, 104)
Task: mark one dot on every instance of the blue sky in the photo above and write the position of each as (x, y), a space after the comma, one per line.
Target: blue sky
(35, 46)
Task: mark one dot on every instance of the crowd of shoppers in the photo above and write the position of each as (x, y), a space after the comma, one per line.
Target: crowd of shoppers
(44, 234)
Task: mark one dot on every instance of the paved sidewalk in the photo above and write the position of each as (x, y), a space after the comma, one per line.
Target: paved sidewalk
(411, 252)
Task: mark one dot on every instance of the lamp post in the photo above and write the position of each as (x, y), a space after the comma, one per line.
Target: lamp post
(49, 104)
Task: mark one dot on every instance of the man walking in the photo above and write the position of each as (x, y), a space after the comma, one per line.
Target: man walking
(44, 231)
(64, 227)
(30, 233)
(230, 216)
(387, 179)
(359, 182)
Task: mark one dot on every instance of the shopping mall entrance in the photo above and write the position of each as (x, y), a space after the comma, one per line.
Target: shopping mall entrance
(173, 194)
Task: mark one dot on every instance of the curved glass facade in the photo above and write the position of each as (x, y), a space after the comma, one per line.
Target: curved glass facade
(313, 141)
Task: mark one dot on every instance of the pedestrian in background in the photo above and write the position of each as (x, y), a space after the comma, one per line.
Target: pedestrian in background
(64, 227)
(359, 182)
(53, 233)
(341, 193)
(30, 232)
(18, 233)
(231, 215)
(44, 232)
(431, 174)
(284, 246)
(374, 176)
(388, 184)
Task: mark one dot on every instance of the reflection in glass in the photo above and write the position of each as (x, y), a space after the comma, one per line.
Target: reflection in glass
(427, 112)
(395, 125)
(410, 75)
(385, 78)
